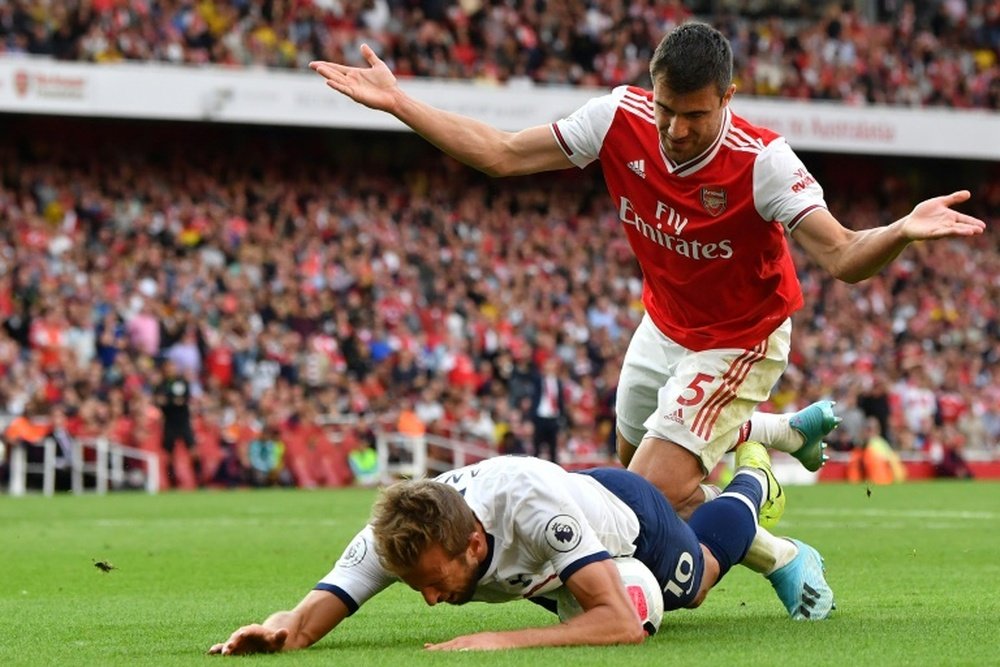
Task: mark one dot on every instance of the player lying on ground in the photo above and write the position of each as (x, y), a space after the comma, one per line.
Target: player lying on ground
(513, 528)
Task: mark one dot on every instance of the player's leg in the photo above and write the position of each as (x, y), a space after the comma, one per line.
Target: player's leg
(753, 456)
(727, 526)
(794, 568)
(801, 584)
(728, 531)
(799, 433)
(701, 408)
(626, 450)
(689, 558)
(703, 401)
(645, 368)
(649, 363)
(684, 500)
(674, 471)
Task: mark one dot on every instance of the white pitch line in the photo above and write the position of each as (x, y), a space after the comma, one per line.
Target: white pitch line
(900, 514)
(218, 521)
(788, 525)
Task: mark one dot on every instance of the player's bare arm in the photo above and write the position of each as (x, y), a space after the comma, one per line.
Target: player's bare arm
(314, 617)
(853, 256)
(472, 142)
(608, 618)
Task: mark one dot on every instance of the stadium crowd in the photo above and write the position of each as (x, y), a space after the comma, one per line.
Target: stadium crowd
(312, 298)
(923, 52)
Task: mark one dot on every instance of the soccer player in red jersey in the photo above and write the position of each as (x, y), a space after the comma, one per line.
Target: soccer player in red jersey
(706, 200)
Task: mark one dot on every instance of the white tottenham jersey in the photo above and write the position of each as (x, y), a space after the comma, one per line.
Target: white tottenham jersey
(543, 523)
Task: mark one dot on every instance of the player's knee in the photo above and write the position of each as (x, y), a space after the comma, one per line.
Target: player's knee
(695, 603)
(675, 471)
(684, 495)
(685, 505)
(710, 575)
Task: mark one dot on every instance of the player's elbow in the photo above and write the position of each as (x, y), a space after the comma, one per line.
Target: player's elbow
(627, 629)
(632, 632)
(847, 274)
(495, 170)
(837, 263)
(509, 156)
(613, 627)
(501, 165)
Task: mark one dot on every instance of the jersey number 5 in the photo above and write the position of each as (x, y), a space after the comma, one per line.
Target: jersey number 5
(697, 391)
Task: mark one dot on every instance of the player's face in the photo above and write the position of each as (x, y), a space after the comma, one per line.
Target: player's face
(688, 123)
(441, 578)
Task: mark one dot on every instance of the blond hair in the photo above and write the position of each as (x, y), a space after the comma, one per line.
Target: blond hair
(409, 517)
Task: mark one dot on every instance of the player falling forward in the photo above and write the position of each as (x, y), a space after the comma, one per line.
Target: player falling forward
(706, 200)
(515, 528)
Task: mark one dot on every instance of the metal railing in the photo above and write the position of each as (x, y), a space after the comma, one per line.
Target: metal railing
(401, 455)
(107, 466)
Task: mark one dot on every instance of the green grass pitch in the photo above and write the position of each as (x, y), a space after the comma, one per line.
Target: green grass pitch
(914, 568)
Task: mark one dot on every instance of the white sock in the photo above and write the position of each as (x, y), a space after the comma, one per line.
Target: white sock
(711, 491)
(773, 431)
(761, 478)
(768, 553)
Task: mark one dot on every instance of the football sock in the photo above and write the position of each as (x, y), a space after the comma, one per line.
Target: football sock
(711, 491)
(774, 431)
(767, 553)
(728, 524)
(756, 493)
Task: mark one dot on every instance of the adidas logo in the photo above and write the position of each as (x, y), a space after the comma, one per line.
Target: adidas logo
(638, 167)
(675, 416)
(810, 596)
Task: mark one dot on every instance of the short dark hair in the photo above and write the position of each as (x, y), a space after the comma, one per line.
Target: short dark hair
(411, 516)
(692, 56)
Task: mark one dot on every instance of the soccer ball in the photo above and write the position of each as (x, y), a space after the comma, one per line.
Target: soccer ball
(642, 589)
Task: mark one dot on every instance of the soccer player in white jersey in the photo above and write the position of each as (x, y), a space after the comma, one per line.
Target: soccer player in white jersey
(516, 528)
(706, 200)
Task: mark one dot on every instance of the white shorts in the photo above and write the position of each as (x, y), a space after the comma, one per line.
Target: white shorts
(698, 400)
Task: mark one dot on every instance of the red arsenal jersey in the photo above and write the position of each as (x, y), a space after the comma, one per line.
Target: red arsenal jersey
(709, 233)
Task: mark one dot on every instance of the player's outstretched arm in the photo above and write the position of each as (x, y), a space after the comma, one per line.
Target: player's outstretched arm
(477, 144)
(608, 618)
(853, 256)
(317, 614)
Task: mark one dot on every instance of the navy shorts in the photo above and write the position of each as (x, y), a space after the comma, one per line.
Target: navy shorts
(666, 544)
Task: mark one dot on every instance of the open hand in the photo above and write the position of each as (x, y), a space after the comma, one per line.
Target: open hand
(934, 219)
(251, 639)
(373, 86)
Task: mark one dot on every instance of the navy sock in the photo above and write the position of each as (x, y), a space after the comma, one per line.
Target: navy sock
(726, 525)
(749, 487)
